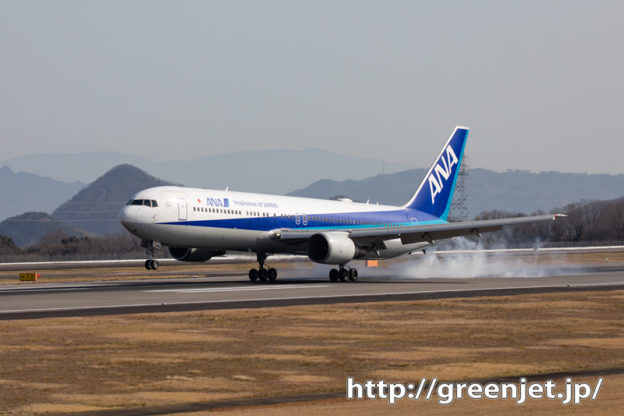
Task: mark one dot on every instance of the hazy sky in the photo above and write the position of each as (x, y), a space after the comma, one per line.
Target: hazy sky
(540, 83)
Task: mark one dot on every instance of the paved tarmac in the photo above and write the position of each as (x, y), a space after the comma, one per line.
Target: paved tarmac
(220, 290)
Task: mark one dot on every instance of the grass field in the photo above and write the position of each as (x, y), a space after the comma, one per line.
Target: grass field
(62, 365)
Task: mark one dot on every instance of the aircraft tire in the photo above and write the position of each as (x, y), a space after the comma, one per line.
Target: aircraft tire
(353, 275)
(272, 274)
(148, 264)
(342, 274)
(155, 265)
(263, 275)
(333, 275)
(253, 275)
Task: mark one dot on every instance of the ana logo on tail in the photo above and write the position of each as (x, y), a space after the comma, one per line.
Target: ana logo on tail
(441, 172)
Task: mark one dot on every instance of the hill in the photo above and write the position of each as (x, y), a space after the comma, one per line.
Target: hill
(516, 191)
(95, 209)
(22, 192)
(29, 228)
(69, 167)
(7, 246)
(252, 170)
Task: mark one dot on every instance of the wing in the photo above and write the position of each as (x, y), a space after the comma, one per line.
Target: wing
(415, 233)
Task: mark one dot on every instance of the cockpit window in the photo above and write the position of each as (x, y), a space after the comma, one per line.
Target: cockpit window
(144, 202)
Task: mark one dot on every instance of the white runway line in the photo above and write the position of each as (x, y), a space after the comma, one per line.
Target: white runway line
(110, 307)
(233, 289)
(42, 289)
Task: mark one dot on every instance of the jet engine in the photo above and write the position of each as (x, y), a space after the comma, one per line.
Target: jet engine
(193, 254)
(331, 248)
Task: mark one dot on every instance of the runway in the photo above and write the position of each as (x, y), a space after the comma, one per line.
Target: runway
(234, 290)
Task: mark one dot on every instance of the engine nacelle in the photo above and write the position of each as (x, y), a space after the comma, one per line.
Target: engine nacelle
(193, 254)
(331, 248)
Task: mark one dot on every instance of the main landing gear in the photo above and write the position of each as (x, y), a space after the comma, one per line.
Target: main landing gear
(151, 263)
(261, 273)
(343, 274)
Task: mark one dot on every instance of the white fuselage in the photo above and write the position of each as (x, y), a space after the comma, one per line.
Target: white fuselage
(238, 221)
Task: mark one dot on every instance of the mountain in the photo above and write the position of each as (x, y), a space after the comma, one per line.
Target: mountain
(95, 209)
(270, 171)
(22, 192)
(30, 227)
(70, 167)
(7, 246)
(394, 189)
(514, 191)
(524, 191)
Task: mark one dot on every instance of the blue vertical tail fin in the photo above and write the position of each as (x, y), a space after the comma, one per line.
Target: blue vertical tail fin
(435, 193)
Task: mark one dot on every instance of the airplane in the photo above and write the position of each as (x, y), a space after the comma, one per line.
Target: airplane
(198, 224)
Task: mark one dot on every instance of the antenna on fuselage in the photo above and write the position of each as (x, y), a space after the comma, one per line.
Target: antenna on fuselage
(227, 188)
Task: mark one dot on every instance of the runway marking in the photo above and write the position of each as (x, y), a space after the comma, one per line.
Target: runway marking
(112, 307)
(232, 289)
(41, 289)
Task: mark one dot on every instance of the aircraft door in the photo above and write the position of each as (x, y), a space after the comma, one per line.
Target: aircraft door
(182, 210)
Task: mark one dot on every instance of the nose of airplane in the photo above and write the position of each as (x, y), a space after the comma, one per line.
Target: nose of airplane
(128, 216)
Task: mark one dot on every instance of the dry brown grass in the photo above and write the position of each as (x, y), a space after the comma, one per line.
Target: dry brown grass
(609, 403)
(58, 365)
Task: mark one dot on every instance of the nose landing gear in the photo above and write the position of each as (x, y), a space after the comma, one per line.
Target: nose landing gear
(151, 263)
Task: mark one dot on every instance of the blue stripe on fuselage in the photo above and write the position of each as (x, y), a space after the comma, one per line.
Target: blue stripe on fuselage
(338, 221)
